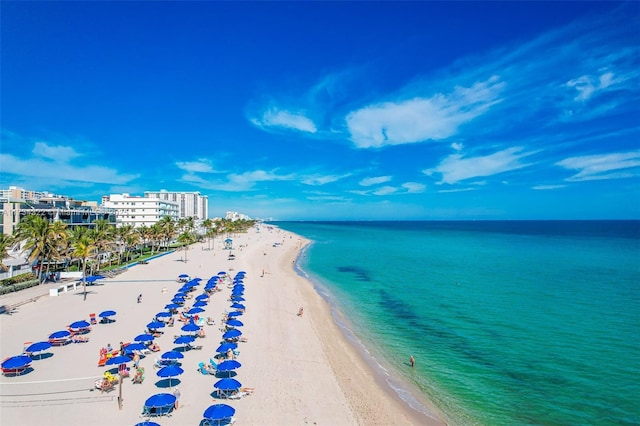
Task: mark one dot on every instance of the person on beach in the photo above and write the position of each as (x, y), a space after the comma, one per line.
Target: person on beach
(136, 359)
(412, 361)
(176, 393)
(300, 311)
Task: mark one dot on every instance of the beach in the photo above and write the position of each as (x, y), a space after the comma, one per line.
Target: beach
(303, 369)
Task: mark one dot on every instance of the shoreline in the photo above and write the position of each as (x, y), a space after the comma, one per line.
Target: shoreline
(302, 367)
(355, 352)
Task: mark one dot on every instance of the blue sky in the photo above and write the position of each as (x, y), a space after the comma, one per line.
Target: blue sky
(329, 110)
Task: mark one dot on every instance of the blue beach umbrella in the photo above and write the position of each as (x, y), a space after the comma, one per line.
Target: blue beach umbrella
(94, 278)
(190, 327)
(226, 385)
(184, 340)
(237, 305)
(160, 400)
(170, 371)
(228, 365)
(183, 276)
(105, 314)
(59, 334)
(199, 304)
(135, 347)
(234, 314)
(37, 347)
(222, 273)
(172, 306)
(78, 325)
(155, 324)
(172, 355)
(238, 299)
(234, 323)
(163, 314)
(147, 423)
(16, 362)
(195, 310)
(202, 297)
(120, 359)
(144, 338)
(218, 412)
(226, 346)
(232, 334)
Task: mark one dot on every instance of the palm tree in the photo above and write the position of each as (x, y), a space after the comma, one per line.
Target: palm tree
(33, 231)
(84, 248)
(6, 242)
(186, 238)
(103, 235)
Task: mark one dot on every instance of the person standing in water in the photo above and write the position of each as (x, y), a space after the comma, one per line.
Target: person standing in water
(412, 361)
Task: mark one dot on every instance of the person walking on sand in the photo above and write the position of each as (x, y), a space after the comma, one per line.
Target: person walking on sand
(412, 361)
(300, 311)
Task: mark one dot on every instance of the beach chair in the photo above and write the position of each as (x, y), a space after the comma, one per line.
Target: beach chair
(92, 319)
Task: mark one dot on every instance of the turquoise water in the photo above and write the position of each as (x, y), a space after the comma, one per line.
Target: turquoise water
(510, 322)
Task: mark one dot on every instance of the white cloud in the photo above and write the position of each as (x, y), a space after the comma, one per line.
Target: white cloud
(56, 153)
(600, 167)
(275, 117)
(547, 187)
(375, 180)
(318, 180)
(239, 182)
(456, 167)
(417, 119)
(200, 166)
(385, 190)
(457, 146)
(588, 85)
(414, 187)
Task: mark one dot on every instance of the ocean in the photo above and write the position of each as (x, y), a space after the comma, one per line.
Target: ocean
(510, 323)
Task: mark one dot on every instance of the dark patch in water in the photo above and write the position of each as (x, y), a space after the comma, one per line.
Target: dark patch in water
(360, 273)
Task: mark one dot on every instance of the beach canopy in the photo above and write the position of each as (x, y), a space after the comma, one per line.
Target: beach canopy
(184, 340)
(107, 314)
(190, 327)
(237, 305)
(228, 365)
(227, 384)
(160, 400)
(135, 347)
(238, 299)
(234, 314)
(120, 359)
(195, 310)
(170, 371)
(79, 325)
(143, 338)
(219, 412)
(94, 278)
(232, 334)
(200, 304)
(16, 362)
(172, 355)
(234, 323)
(172, 306)
(59, 334)
(155, 324)
(226, 346)
(202, 297)
(222, 273)
(163, 314)
(147, 423)
(37, 347)
(183, 276)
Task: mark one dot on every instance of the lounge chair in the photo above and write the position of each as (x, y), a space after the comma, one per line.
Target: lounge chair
(92, 319)
(157, 411)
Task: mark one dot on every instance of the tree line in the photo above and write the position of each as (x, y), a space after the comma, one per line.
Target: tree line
(50, 242)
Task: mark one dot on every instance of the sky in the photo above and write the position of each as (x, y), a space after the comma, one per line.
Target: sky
(329, 110)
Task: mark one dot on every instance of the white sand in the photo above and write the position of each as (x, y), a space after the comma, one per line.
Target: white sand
(302, 368)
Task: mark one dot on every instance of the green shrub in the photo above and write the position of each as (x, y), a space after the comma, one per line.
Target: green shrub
(9, 288)
(18, 279)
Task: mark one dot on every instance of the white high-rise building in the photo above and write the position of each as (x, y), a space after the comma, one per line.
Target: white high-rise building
(139, 211)
(191, 204)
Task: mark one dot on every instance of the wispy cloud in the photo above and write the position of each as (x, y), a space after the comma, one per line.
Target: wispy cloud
(202, 165)
(318, 180)
(235, 182)
(418, 119)
(374, 180)
(456, 167)
(606, 166)
(281, 118)
(55, 163)
(414, 187)
(547, 187)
